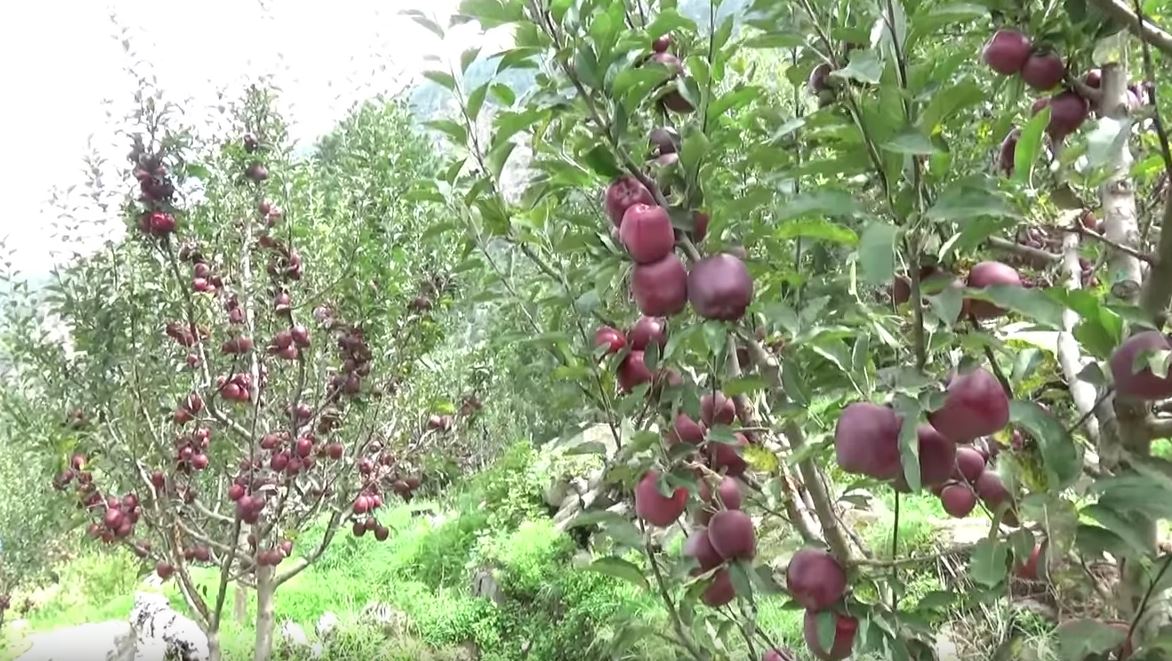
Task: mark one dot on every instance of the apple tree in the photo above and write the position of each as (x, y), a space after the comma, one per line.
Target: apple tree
(238, 367)
(791, 252)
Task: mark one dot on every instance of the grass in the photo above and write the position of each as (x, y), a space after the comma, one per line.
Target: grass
(494, 522)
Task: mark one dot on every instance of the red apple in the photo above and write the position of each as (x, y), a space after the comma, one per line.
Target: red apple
(623, 193)
(1140, 383)
(732, 535)
(719, 287)
(866, 441)
(1007, 52)
(609, 337)
(970, 463)
(647, 233)
(990, 274)
(958, 499)
(815, 579)
(1043, 71)
(699, 548)
(717, 409)
(686, 430)
(647, 330)
(655, 508)
(660, 288)
(1068, 111)
(633, 372)
(845, 629)
(720, 591)
(727, 458)
(975, 405)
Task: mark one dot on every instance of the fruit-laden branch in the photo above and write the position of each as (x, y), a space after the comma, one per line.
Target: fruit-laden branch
(1145, 30)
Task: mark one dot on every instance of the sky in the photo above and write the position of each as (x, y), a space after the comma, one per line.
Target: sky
(60, 61)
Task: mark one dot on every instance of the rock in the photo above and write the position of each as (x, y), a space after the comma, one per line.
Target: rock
(391, 621)
(293, 636)
(484, 585)
(326, 625)
(159, 631)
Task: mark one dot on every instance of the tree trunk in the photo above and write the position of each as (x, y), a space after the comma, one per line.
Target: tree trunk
(265, 622)
(240, 604)
(214, 651)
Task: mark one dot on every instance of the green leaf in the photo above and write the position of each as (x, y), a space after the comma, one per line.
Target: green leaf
(864, 67)
(455, 131)
(669, 20)
(503, 94)
(743, 385)
(517, 58)
(732, 100)
(1079, 639)
(476, 100)
(989, 562)
(1029, 143)
(964, 202)
(602, 161)
(826, 624)
(1061, 457)
(1122, 525)
(492, 13)
(947, 102)
(443, 79)
(826, 202)
(773, 40)
(739, 573)
(1031, 303)
(821, 229)
(468, 57)
(619, 568)
(877, 252)
(912, 143)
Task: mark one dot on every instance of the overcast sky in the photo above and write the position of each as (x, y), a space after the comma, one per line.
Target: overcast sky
(59, 60)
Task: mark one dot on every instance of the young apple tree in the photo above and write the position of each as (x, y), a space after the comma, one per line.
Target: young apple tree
(775, 243)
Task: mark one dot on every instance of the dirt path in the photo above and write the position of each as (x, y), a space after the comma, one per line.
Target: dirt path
(88, 642)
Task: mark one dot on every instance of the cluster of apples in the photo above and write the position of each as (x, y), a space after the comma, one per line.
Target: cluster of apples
(718, 287)
(115, 517)
(191, 450)
(1141, 384)
(670, 97)
(156, 190)
(356, 358)
(981, 276)
(866, 442)
(1009, 52)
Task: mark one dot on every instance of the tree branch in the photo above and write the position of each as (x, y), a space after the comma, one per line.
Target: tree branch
(1145, 30)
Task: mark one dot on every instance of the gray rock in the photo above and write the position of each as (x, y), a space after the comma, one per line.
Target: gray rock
(484, 585)
(326, 625)
(293, 635)
(392, 621)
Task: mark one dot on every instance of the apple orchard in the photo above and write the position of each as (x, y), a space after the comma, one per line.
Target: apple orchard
(791, 256)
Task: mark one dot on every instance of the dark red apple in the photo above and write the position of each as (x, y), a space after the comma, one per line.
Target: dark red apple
(716, 409)
(1008, 152)
(647, 330)
(1043, 71)
(728, 492)
(609, 337)
(866, 441)
(335, 450)
(992, 491)
(845, 628)
(937, 457)
(686, 430)
(1068, 111)
(732, 535)
(164, 570)
(970, 463)
(660, 288)
(633, 372)
(664, 140)
(901, 290)
(778, 654)
(699, 548)
(647, 233)
(990, 274)
(1093, 78)
(655, 508)
(257, 172)
(1007, 51)
(300, 335)
(727, 458)
(720, 591)
(819, 79)
(623, 193)
(815, 579)
(719, 287)
(975, 405)
(235, 492)
(1028, 570)
(661, 43)
(700, 222)
(958, 499)
(1140, 383)
(158, 479)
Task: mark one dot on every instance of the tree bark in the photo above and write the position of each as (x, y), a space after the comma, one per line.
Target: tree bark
(240, 604)
(265, 621)
(214, 651)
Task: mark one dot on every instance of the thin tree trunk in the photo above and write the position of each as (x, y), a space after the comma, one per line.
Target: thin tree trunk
(240, 604)
(265, 622)
(214, 651)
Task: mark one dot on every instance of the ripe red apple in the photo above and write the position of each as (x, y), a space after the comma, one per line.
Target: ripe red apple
(937, 457)
(990, 274)
(158, 479)
(901, 290)
(815, 579)
(235, 492)
(1007, 51)
(699, 548)
(381, 532)
(975, 405)
(300, 335)
(1068, 111)
(257, 172)
(700, 220)
(719, 287)
(727, 458)
(609, 337)
(732, 535)
(361, 505)
(661, 43)
(958, 499)
(1140, 384)
(728, 492)
(304, 447)
(720, 591)
(113, 518)
(655, 508)
(647, 233)
(623, 193)
(992, 491)
(664, 140)
(866, 441)
(164, 570)
(633, 372)
(1093, 78)
(1028, 570)
(660, 288)
(279, 462)
(819, 79)
(845, 628)
(647, 330)
(334, 450)
(716, 409)
(686, 430)
(970, 463)
(199, 461)
(1043, 71)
